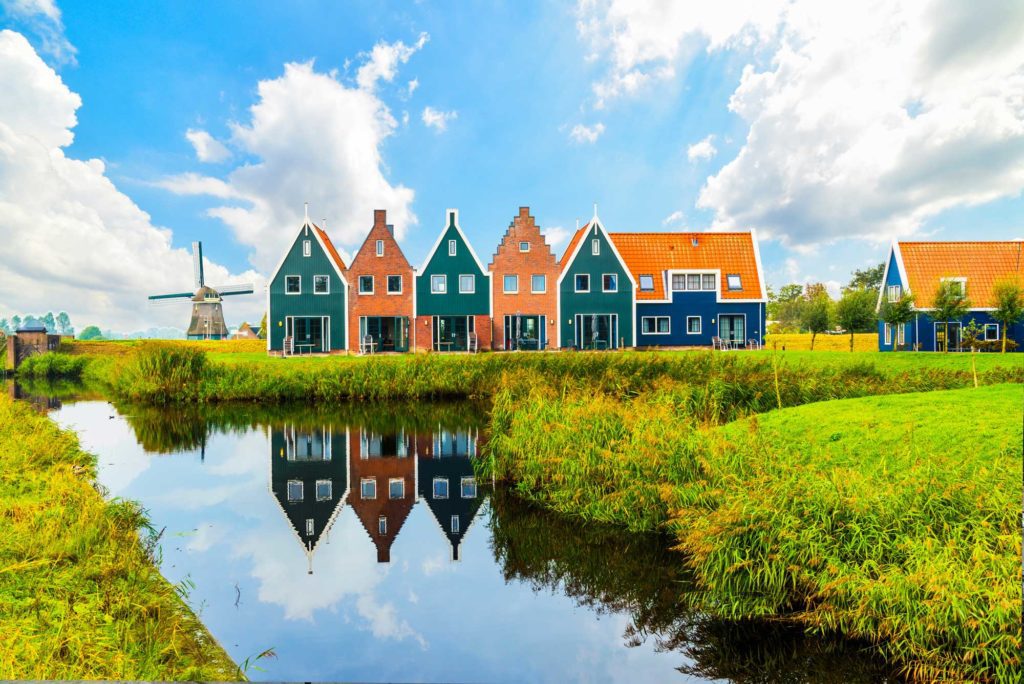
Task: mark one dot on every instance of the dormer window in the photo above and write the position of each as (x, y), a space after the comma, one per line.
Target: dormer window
(893, 293)
(451, 248)
(959, 283)
(734, 282)
(380, 248)
(595, 247)
(647, 283)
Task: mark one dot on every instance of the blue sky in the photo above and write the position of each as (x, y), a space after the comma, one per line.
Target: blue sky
(830, 131)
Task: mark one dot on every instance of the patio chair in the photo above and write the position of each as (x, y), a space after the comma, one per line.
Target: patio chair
(753, 344)
(367, 345)
(472, 344)
(717, 343)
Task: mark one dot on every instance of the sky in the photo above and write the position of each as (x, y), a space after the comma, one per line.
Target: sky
(129, 130)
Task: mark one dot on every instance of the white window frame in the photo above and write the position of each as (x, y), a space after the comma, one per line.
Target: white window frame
(887, 333)
(728, 282)
(328, 280)
(299, 291)
(380, 248)
(302, 490)
(699, 278)
(373, 285)
(595, 247)
(703, 278)
(392, 481)
(504, 283)
(401, 284)
(614, 275)
(640, 283)
(452, 249)
(330, 490)
(310, 527)
(893, 292)
(672, 282)
(433, 488)
(901, 335)
(365, 481)
(467, 275)
(307, 248)
(576, 283)
(985, 328)
(443, 280)
(382, 525)
(543, 280)
(524, 242)
(655, 319)
(455, 524)
(471, 481)
(700, 325)
(963, 284)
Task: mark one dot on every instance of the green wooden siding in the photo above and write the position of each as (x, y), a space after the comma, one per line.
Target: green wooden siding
(307, 304)
(452, 302)
(596, 301)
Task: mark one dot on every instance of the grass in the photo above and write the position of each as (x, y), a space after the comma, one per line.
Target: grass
(888, 518)
(80, 596)
(862, 342)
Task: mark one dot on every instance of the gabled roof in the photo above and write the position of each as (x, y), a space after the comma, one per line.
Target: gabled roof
(571, 247)
(325, 242)
(329, 246)
(383, 230)
(983, 264)
(575, 243)
(727, 252)
(451, 218)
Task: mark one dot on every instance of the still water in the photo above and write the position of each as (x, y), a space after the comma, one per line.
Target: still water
(357, 543)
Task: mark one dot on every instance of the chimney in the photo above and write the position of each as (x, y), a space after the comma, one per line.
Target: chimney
(391, 228)
(380, 217)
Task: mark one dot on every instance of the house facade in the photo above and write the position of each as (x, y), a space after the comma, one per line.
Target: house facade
(447, 482)
(596, 293)
(382, 291)
(524, 273)
(307, 297)
(917, 269)
(693, 287)
(453, 294)
(383, 476)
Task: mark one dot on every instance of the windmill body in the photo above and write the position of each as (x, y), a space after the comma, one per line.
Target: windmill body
(207, 321)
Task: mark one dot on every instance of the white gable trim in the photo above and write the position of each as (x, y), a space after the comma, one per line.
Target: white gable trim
(894, 252)
(455, 221)
(760, 269)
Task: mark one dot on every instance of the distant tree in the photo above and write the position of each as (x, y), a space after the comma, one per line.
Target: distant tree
(5, 326)
(64, 323)
(30, 321)
(1009, 304)
(972, 335)
(855, 311)
(15, 322)
(785, 306)
(50, 322)
(897, 313)
(817, 314)
(951, 304)
(814, 290)
(867, 279)
(91, 332)
(262, 332)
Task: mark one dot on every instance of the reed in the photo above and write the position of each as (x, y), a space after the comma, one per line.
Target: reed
(52, 365)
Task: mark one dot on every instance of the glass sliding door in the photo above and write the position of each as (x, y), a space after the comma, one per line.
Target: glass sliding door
(388, 333)
(597, 331)
(732, 328)
(451, 333)
(524, 332)
(310, 334)
(941, 343)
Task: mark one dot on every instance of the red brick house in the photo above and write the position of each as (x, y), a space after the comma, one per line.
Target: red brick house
(524, 275)
(381, 294)
(383, 484)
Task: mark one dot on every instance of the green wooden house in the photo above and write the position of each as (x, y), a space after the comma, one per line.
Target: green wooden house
(453, 294)
(307, 298)
(596, 293)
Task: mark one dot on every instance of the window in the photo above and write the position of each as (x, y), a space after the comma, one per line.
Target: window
(368, 488)
(900, 334)
(440, 488)
(888, 333)
(321, 284)
(991, 331)
(295, 490)
(708, 281)
(894, 292)
(293, 284)
(524, 246)
(655, 325)
(467, 284)
(610, 282)
(468, 488)
(307, 248)
(678, 282)
(583, 282)
(451, 248)
(692, 281)
(961, 283)
(595, 246)
(438, 284)
(380, 248)
(396, 488)
(511, 284)
(366, 284)
(324, 490)
(310, 527)
(382, 525)
(538, 284)
(647, 283)
(733, 281)
(394, 284)
(693, 325)
(455, 524)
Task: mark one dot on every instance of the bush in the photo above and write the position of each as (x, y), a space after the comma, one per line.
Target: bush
(161, 373)
(52, 365)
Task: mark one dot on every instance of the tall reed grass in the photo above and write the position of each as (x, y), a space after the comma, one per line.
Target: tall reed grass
(52, 365)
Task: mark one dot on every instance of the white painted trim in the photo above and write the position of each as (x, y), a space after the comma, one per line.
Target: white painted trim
(718, 325)
(292, 294)
(321, 275)
(640, 280)
(307, 248)
(700, 326)
(391, 481)
(509, 275)
(542, 275)
(655, 319)
(438, 275)
(527, 243)
(760, 269)
(467, 275)
(401, 282)
(440, 237)
(575, 287)
(730, 288)
(359, 284)
(378, 248)
(447, 484)
(616, 290)
(364, 480)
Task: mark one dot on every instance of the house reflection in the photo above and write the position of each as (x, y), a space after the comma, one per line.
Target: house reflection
(383, 468)
(448, 483)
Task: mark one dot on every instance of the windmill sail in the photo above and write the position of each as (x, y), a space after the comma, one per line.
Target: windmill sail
(197, 263)
(242, 288)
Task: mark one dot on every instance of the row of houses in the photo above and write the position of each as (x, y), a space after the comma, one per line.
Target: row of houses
(607, 291)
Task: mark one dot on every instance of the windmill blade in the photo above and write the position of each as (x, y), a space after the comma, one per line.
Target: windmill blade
(173, 295)
(225, 290)
(197, 263)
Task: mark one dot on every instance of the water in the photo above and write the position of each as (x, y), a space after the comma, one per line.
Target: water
(267, 515)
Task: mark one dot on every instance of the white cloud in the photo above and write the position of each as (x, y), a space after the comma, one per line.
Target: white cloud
(44, 19)
(411, 88)
(586, 134)
(208, 148)
(557, 237)
(64, 223)
(383, 60)
(705, 149)
(438, 120)
(328, 155)
(675, 217)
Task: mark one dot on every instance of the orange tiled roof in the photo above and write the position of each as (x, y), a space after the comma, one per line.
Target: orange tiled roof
(580, 232)
(330, 248)
(654, 253)
(982, 263)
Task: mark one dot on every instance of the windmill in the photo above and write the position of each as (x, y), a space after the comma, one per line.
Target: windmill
(207, 321)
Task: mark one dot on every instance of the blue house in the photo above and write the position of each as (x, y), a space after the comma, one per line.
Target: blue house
(917, 268)
(693, 287)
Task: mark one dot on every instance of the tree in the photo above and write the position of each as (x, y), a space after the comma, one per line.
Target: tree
(30, 321)
(5, 326)
(897, 313)
(950, 305)
(855, 311)
(816, 315)
(49, 322)
(15, 322)
(64, 323)
(262, 332)
(91, 332)
(1008, 296)
(867, 279)
(785, 305)
(972, 335)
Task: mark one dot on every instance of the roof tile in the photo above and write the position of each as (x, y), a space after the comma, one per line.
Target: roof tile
(983, 264)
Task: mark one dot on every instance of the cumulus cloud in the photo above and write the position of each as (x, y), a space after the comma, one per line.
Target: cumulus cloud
(703, 150)
(864, 119)
(557, 237)
(438, 120)
(43, 18)
(328, 155)
(586, 134)
(675, 217)
(383, 60)
(208, 148)
(67, 225)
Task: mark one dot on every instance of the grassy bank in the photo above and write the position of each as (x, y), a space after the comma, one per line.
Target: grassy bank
(80, 597)
(887, 518)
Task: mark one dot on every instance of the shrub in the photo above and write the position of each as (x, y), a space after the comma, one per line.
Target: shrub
(52, 365)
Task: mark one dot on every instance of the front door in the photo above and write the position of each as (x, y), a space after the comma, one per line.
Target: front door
(389, 333)
(308, 333)
(524, 332)
(451, 333)
(940, 337)
(597, 331)
(732, 328)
